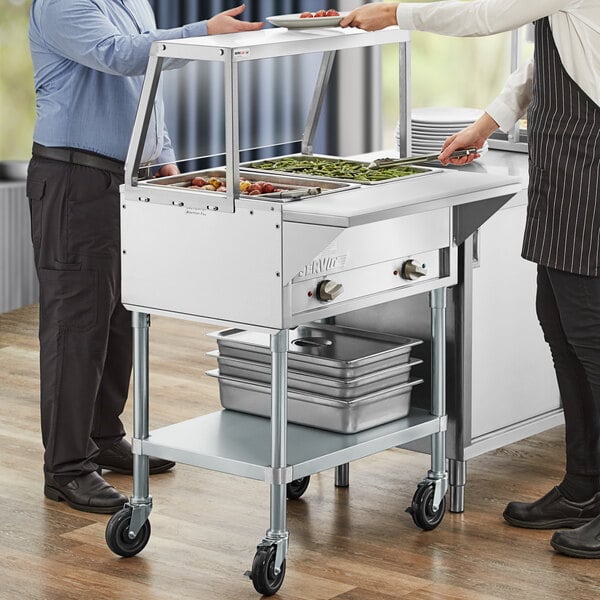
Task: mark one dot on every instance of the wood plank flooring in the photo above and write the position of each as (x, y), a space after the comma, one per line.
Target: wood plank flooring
(345, 544)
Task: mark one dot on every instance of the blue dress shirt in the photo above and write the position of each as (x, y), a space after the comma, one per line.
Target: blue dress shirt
(89, 59)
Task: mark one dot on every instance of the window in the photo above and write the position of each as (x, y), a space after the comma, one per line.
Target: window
(445, 72)
(17, 97)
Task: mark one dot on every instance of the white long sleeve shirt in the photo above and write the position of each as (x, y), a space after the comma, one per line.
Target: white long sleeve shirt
(575, 26)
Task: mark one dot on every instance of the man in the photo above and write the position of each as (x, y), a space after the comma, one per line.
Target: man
(560, 88)
(89, 59)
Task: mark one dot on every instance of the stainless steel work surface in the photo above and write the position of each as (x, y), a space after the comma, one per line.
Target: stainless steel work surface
(240, 444)
(443, 189)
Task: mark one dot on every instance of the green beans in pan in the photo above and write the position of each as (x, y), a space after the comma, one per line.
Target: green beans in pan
(334, 168)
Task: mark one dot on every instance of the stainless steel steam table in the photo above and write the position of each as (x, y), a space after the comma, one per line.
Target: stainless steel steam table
(271, 266)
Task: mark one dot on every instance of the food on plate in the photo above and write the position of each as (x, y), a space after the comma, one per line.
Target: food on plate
(335, 168)
(216, 184)
(320, 13)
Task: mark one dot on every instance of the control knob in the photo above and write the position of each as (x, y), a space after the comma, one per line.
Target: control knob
(328, 290)
(413, 269)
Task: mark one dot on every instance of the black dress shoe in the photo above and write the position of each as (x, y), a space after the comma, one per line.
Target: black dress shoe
(583, 542)
(119, 458)
(552, 511)
(89, 493)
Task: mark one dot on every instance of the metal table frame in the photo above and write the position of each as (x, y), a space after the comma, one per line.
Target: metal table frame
(310, 451)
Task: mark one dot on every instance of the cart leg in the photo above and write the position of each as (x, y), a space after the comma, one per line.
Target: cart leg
(457, 478)
(438, 473)
(128, 531)
(342, 475)
(268, 567)
(277, 532)
(429, 502)
(141, 501)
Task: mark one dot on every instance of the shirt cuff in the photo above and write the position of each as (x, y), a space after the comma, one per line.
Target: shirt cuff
(167, 157)
(198, 29)
(503, 114)
(405, 16)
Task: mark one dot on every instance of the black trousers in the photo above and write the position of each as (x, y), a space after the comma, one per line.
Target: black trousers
(85, 333)
(568, 308)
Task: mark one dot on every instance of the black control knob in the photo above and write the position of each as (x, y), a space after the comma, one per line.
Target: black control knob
(328, 290)
(413, 269)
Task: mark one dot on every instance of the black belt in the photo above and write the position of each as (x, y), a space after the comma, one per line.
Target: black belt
(79, 157)
(87, 159)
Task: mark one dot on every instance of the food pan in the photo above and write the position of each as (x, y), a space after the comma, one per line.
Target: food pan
(322, 412)
(289, 187)
(324, 386)
(327, 350)
(328, 168)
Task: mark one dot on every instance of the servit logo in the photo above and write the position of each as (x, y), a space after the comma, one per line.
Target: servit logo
(322, 265)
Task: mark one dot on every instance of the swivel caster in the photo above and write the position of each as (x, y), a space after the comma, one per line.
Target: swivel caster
(421, 509)
(117, 534)
(263, 576)
(296, 488)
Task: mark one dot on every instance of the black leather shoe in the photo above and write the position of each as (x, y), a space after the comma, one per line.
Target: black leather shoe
(119, 458)
(583, 542)
(89, 493)
(552, 511)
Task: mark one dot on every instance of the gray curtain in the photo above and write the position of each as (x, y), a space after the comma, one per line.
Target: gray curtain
(274, 94)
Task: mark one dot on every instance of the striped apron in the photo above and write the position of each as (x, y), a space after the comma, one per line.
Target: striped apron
(562, 229)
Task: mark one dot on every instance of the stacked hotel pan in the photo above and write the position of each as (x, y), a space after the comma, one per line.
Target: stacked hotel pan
(340, 379)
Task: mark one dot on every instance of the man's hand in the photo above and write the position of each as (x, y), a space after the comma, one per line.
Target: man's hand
(167, 170)
(225, 22)
(473, 136)
(372, 17)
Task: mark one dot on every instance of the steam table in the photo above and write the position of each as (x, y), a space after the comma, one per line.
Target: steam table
(259, 264)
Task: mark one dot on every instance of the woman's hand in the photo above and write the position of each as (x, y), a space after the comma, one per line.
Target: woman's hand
(371, 17)
(473, 136)
(226, 22)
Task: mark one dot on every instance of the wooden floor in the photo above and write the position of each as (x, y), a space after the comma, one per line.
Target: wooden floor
(347, 544)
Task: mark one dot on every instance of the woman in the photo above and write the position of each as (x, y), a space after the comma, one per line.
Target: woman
(560, 91)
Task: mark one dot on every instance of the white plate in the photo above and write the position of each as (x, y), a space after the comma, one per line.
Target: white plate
(447, 115)
(427, 130)
(295, 22)
(430, 138)
(419, 150)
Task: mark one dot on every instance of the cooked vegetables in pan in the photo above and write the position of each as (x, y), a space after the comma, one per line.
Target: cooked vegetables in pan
(334, 168)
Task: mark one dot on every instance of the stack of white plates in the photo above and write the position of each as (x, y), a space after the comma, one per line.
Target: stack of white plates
(431, 127)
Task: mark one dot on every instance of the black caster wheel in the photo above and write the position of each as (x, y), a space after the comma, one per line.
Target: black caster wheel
(117, 536)
(263, 576)
(421, 508)
(296, 488)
